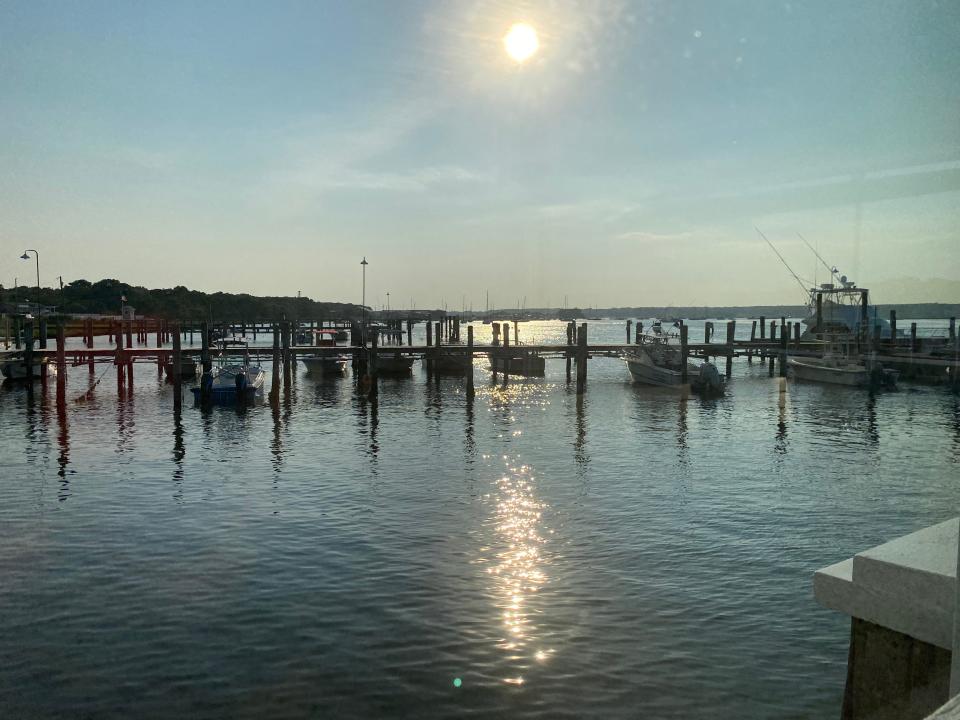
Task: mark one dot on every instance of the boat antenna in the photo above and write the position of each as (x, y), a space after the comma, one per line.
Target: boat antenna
(800, 282)
(832, 269)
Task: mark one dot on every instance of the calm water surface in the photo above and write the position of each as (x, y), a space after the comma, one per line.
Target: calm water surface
(632, 554)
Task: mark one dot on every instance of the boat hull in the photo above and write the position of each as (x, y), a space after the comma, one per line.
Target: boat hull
(650, 374)
(645, 371)
(17, 369)
(448, 364)
(224, 390)
(398, 365)
(188, 369)
(328, 366)
(811, 371)
(524, 365)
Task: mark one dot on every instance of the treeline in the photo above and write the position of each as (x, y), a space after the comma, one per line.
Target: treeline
(106, 296)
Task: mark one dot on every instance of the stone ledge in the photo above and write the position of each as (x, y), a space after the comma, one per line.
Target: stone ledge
(907, 584)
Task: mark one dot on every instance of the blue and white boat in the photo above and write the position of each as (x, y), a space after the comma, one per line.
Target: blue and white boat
(231, 384)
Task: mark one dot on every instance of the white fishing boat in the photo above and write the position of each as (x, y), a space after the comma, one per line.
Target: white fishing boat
(231, 384)
(656, 360)
(328, 362)
(652, 365)
(16, 368)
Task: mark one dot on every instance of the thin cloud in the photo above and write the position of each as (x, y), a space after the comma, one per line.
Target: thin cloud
(643, 236)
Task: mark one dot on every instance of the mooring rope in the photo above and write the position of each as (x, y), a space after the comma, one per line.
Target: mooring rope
(83, 397)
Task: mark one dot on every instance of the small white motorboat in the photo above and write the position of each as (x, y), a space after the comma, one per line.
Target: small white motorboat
(16, 368)
(328, 362)
(841, 370)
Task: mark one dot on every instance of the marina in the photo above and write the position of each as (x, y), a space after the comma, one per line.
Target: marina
(492, 557)
(480, 359)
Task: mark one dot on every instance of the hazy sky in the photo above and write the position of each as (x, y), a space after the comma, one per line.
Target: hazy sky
(266, 147)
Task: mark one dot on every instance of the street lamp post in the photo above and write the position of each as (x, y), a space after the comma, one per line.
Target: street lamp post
(363, 303)
(27, 257)
(388, 302)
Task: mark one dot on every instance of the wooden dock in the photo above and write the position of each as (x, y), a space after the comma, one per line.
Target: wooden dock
(370, 344)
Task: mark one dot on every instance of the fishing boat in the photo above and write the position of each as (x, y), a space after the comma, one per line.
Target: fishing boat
(327, 362)
(16, 368)
(843, 310)
(231, 384)
(655, 360)
(836, 308)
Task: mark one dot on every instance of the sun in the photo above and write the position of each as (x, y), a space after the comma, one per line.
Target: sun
(521, 42)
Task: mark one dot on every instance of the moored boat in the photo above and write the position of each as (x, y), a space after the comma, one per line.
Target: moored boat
(514, 361)
(326, 362)
(231, 384)
(16, 368)
(393, 363)
(840, 370)
(655, 361)
(448, 363)
(188, 368)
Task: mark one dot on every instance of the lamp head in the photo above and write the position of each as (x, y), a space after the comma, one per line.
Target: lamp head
(24, 256)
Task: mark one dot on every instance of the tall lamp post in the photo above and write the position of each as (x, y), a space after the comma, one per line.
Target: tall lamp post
(388, 302)
(363, 303)
(27, 257)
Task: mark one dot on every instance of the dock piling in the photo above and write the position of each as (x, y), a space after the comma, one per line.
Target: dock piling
(470, 390)
(177, 365)
(61, 351)
(28, 350)
(285, 329)
(118, 337)
(275, 375)
(428, 358)
(731, 332)
(506, 353)
(42, 343)
(784, 338)
(372, 366)
(684, 353)
(582, 359)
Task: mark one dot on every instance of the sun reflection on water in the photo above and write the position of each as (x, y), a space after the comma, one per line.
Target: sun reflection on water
(517, 573)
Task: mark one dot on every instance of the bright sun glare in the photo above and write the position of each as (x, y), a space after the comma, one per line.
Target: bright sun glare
(521, 42)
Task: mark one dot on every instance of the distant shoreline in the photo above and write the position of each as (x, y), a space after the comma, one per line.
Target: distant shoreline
(905, 311)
